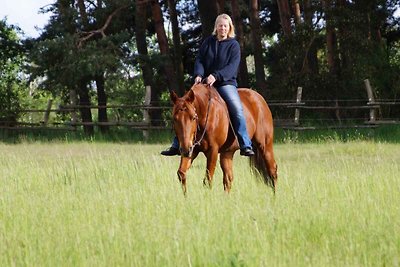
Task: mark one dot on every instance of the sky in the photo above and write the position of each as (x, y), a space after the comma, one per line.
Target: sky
(25, 14)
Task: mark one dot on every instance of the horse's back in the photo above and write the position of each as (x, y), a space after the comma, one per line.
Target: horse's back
(256, 109)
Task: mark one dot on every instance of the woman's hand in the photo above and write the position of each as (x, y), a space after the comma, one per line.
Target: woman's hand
(210, 80)
(197, 80)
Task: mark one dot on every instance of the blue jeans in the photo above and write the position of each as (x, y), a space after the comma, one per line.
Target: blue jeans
(231, 96)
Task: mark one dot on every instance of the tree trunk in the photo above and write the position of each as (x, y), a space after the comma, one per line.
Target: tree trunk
(83, 14)
(102, 103)
(81, 86)
(208, 10)
(308, 13)
(257, 46)
(163, 44)
(144, 61)
(221, 6)
(84, 102)
(68, 22)
(296, 12)
(341, 36)
(243, 75)
(312, 50)
(99, 79)
(330, 38)
(177, 59)
(284, 14)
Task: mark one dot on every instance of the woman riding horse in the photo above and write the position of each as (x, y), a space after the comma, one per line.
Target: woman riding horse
(217, 64)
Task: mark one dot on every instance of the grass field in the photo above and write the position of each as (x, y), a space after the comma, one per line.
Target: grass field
(120, 204)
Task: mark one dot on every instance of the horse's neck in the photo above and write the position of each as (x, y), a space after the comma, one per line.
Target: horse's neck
(207, 100)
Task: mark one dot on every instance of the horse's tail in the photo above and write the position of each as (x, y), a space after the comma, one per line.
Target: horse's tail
(264, 165)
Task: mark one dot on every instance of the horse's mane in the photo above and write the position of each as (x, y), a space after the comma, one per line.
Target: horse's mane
(205, 92)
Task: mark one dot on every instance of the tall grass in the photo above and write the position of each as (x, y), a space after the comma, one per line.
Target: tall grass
(102, 204)
(384, 133)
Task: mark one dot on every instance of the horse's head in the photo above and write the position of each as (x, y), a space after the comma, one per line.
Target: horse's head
(185, 121)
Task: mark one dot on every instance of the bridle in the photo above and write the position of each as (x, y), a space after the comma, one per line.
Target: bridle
(205, 125)
(196, 117)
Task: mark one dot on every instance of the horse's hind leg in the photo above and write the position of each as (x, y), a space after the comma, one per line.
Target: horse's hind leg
(270, 163)
(226, 160)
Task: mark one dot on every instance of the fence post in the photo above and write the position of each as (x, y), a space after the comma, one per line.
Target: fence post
(146, 115)
(371, 100)
(337, 111)
(73, 101)
(47, 112)
(298, 101)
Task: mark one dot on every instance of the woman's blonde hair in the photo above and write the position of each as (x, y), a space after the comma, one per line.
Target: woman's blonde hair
(231, 32)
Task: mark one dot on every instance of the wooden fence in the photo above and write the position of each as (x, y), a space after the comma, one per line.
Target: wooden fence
(295, 107)
(371, 105)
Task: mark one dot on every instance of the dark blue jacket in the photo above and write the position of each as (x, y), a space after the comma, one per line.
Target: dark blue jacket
(219, 58)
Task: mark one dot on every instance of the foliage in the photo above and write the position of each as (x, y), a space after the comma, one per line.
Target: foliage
(65, 57)
(127, 92)
(361, 53)
(81, 43)
(11, 82)
(362, 58)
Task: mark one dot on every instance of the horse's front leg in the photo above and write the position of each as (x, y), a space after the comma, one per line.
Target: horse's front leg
(212, 157)
(226, 161)
(184, 166)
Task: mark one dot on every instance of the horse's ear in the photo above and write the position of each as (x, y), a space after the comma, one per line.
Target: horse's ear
(173, 96)
(190, 96)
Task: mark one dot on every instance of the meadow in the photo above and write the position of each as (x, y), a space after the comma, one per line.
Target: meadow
(84, 203)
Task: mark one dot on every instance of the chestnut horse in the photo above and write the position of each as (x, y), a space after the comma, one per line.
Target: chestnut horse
(201, 123)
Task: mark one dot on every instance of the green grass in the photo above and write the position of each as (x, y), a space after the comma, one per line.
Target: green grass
(120, 204)
(384, 133)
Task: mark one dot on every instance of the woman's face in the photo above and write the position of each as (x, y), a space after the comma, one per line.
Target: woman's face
(222, 28)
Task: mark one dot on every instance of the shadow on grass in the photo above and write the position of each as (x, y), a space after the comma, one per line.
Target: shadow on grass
(117, 136)
(387, 133)
(384, 133)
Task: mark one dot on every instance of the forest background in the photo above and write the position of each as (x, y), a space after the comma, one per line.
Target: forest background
(105, 52)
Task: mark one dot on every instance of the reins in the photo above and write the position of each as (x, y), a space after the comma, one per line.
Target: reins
(198, 142)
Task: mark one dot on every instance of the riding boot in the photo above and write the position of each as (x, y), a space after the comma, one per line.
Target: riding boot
(173, 150)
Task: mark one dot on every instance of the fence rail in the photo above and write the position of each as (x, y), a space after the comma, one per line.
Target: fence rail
(371, 104)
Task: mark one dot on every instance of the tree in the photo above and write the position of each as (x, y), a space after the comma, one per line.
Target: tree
(140, 34)
(177, 58)
(257, 46)
(163, 44)
(209, 10)
(327, 47)
(82, 43)
(11, 60)
(330, 38)
(243, 75)
(284, 14)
